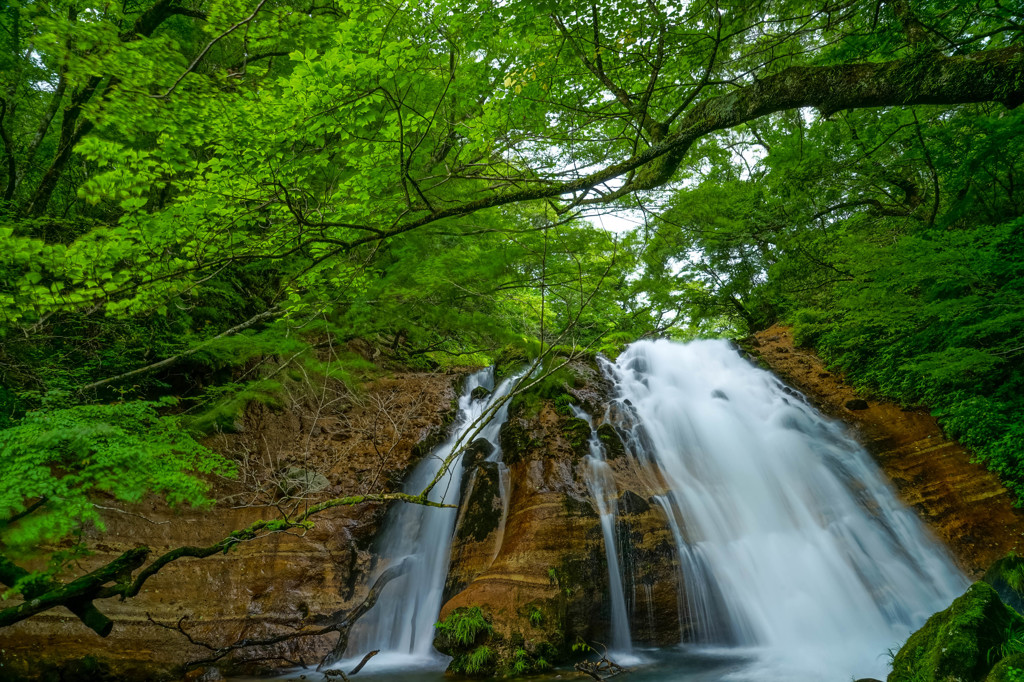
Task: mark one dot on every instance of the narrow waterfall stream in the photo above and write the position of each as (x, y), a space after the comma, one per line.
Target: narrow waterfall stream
(401, 624)
(792, 545)
(601, 482)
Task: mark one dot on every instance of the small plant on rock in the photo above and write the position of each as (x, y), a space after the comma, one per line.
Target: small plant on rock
(463, 626)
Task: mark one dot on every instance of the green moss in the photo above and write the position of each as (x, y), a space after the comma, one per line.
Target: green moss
(515, 441)
(462, 628)
(1010, 669)
(480, 661)
(613, 447)
(509, 361)
(577, 432)
(961, 643)
(483, 506)
(1006, 576)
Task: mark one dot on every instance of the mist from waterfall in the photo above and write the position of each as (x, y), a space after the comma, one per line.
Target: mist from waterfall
(791, 543)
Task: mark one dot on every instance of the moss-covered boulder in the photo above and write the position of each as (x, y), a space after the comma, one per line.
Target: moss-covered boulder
(1010, 669)
(962, 643)
(466, 635)
(477, 650)
(1006, 576)
(577, 432)
(509, 361)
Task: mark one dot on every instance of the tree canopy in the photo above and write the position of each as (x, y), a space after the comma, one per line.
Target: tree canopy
(199, 194)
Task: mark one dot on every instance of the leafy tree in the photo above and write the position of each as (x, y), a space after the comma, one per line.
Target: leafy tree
(193, 187)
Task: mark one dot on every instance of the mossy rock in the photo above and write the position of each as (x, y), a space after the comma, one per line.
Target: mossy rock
(476, 452)
(508, 362)
(960, 644)
(1006, 576)
(515, 441)
(482, 508)
(577, 432)
(613, 447)
(479, 393)
(1010, 669)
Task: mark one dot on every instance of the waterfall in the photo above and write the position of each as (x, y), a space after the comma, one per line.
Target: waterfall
(401, 624)
(601, 482)
(790, 542)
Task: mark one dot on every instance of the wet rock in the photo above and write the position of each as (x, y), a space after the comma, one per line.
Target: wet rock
(1006, 577)
(961, 643)
(476, 452)
(204, 674)
(631, 503)
(577, 432)
(719, 394)
(514, 439)
(481, 512)
(613, 447)
(479, 393)
(476, 540)
(856, 404)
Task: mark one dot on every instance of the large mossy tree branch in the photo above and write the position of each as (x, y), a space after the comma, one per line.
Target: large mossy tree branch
(931, 78)
(79, 594)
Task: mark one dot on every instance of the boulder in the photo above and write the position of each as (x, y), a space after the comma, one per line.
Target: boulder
(962, 643)
(1006, 576)
(1010, 669)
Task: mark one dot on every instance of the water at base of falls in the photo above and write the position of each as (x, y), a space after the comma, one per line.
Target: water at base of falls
(791, 542)
(401, 623)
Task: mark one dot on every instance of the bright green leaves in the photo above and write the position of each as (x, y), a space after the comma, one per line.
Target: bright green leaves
(74, 457)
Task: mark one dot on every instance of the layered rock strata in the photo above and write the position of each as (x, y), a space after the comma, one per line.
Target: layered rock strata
(344, 444)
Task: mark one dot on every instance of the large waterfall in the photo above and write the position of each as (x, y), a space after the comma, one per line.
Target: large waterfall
(401, 624)
(792, 546)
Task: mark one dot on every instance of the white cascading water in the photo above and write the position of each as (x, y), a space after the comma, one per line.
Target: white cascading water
(401, 623)
(792, 545)
(601, 482)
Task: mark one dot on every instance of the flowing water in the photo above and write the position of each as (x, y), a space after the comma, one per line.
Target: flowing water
(797, 561)
(401, 624)
(793, 547)
(601, 482)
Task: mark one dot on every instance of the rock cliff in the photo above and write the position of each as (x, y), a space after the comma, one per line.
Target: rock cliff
(534, 561)
(340, 443)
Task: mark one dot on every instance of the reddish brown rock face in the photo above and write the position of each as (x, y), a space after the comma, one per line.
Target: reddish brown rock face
(265, 586)
(963, 503)
(550, 553)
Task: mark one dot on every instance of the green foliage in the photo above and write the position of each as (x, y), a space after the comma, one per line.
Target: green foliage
(463, 626)
(580, 646)
(536, 617)
(479, 660)
(66, 458)
(890, 240)
(520, 663)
